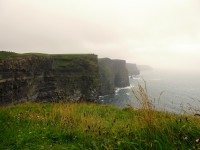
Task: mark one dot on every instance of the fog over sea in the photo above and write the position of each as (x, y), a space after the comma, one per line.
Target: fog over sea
(181, 91)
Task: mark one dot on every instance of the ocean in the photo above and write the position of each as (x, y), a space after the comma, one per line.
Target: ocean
(179, 90)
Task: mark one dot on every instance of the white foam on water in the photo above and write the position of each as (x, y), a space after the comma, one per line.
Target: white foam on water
(117, 90)
(127, 87)
(101, 97)
(136, 78)
(123, 88)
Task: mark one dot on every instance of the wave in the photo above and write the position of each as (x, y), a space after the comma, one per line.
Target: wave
(136, 78)
(123, 88)
(100, 97)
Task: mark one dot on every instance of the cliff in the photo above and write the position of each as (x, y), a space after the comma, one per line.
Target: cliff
(38, 77)
(113, 73)
(77, 77)
(132, 69)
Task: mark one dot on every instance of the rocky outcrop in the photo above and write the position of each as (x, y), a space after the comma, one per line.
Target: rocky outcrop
(132, 69)
(36, 77)
(113, 73)
(77, 77)
(22, 77)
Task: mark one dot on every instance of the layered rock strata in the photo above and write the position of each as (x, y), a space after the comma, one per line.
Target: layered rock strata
(35, 77)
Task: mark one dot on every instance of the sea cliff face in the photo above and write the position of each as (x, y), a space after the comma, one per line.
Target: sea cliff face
(35, 77)
(77, 77)
(73, 78)
(113, 73)
(132, 69)
(22, 77)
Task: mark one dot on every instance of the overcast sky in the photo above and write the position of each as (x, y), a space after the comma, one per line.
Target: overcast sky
(160, 33)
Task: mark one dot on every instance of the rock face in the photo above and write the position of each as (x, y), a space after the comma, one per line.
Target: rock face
(113, 73)
(77, 77)
(132, 69)
(35, 77)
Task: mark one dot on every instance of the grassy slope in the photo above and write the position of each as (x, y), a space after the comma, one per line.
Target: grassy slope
(76, 62)
(5, 54)
(92, 126)
(72, 62)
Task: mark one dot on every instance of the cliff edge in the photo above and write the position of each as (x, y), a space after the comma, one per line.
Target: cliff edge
(39, 77)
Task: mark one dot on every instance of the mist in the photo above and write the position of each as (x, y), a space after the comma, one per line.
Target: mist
(163, 34)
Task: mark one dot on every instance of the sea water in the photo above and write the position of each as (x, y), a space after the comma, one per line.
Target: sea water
(173, 91)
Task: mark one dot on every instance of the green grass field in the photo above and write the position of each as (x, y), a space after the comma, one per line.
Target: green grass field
(93, 126)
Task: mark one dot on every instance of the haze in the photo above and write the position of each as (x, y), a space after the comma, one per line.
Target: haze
(160, 33)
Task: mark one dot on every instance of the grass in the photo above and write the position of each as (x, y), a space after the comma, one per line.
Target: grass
(93, 126)
(5, 54)
(70, 62)
(78, 62)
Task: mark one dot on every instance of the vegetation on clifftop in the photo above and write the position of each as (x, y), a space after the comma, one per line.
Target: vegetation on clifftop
(92, 126)
(76, 62)
(5, 54)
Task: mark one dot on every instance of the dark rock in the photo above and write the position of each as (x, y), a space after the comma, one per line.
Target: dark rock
(37, 77)
(113, 73)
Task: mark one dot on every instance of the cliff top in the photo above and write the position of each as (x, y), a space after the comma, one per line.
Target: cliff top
(69, 62)
(6, 54)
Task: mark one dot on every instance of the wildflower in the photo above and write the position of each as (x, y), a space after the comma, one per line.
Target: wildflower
(197, 140)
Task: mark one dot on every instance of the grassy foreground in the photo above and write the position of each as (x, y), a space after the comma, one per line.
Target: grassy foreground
(93, 126)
